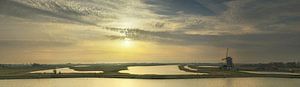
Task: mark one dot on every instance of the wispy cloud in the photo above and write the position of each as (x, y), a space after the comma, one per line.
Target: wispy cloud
(240, 24)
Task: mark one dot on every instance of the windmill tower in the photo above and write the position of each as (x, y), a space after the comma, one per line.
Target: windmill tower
(228, 60)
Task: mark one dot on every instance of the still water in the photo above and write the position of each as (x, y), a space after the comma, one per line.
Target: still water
(279, 73)
(157, 70)
(114, 82)
(65, 70)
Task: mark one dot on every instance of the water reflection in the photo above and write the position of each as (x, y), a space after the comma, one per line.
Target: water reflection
(209, 66)
(282, 73)
(110, 82)
(65, 70)
(158, 70)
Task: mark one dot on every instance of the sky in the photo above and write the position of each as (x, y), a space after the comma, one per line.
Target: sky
(97, 31)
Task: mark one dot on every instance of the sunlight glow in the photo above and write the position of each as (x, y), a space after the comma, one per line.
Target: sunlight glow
(127, 42)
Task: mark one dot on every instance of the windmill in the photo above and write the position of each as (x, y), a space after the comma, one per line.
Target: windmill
(228, 60)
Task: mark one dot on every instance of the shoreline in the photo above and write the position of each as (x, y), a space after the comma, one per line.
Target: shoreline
(112, 71)
(130, 76)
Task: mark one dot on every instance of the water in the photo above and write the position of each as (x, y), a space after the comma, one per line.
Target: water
(65, 70)
(209, 66)
(187, 67)
(111, 82)
(280, 73)
(158, 70)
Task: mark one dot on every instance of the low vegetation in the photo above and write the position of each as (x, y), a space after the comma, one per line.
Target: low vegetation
(20, 71)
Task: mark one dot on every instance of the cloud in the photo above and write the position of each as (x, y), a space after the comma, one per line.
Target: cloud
(21, 10)
(210, 17)
(266, 16)
(21, 44)
(252, 26)
(172, 7)
(174, 21)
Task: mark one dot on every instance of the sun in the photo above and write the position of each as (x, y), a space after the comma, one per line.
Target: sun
(127, 42)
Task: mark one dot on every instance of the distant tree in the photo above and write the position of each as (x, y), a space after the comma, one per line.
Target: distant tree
(277, 64)
(55, 71)
(35, 65)
(291, 64)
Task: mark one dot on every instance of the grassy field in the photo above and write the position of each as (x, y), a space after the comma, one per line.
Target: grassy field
(217, 72)
(214, 71)
(18, 70)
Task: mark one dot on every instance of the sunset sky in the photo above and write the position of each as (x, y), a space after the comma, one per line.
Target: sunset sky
(96, 31)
